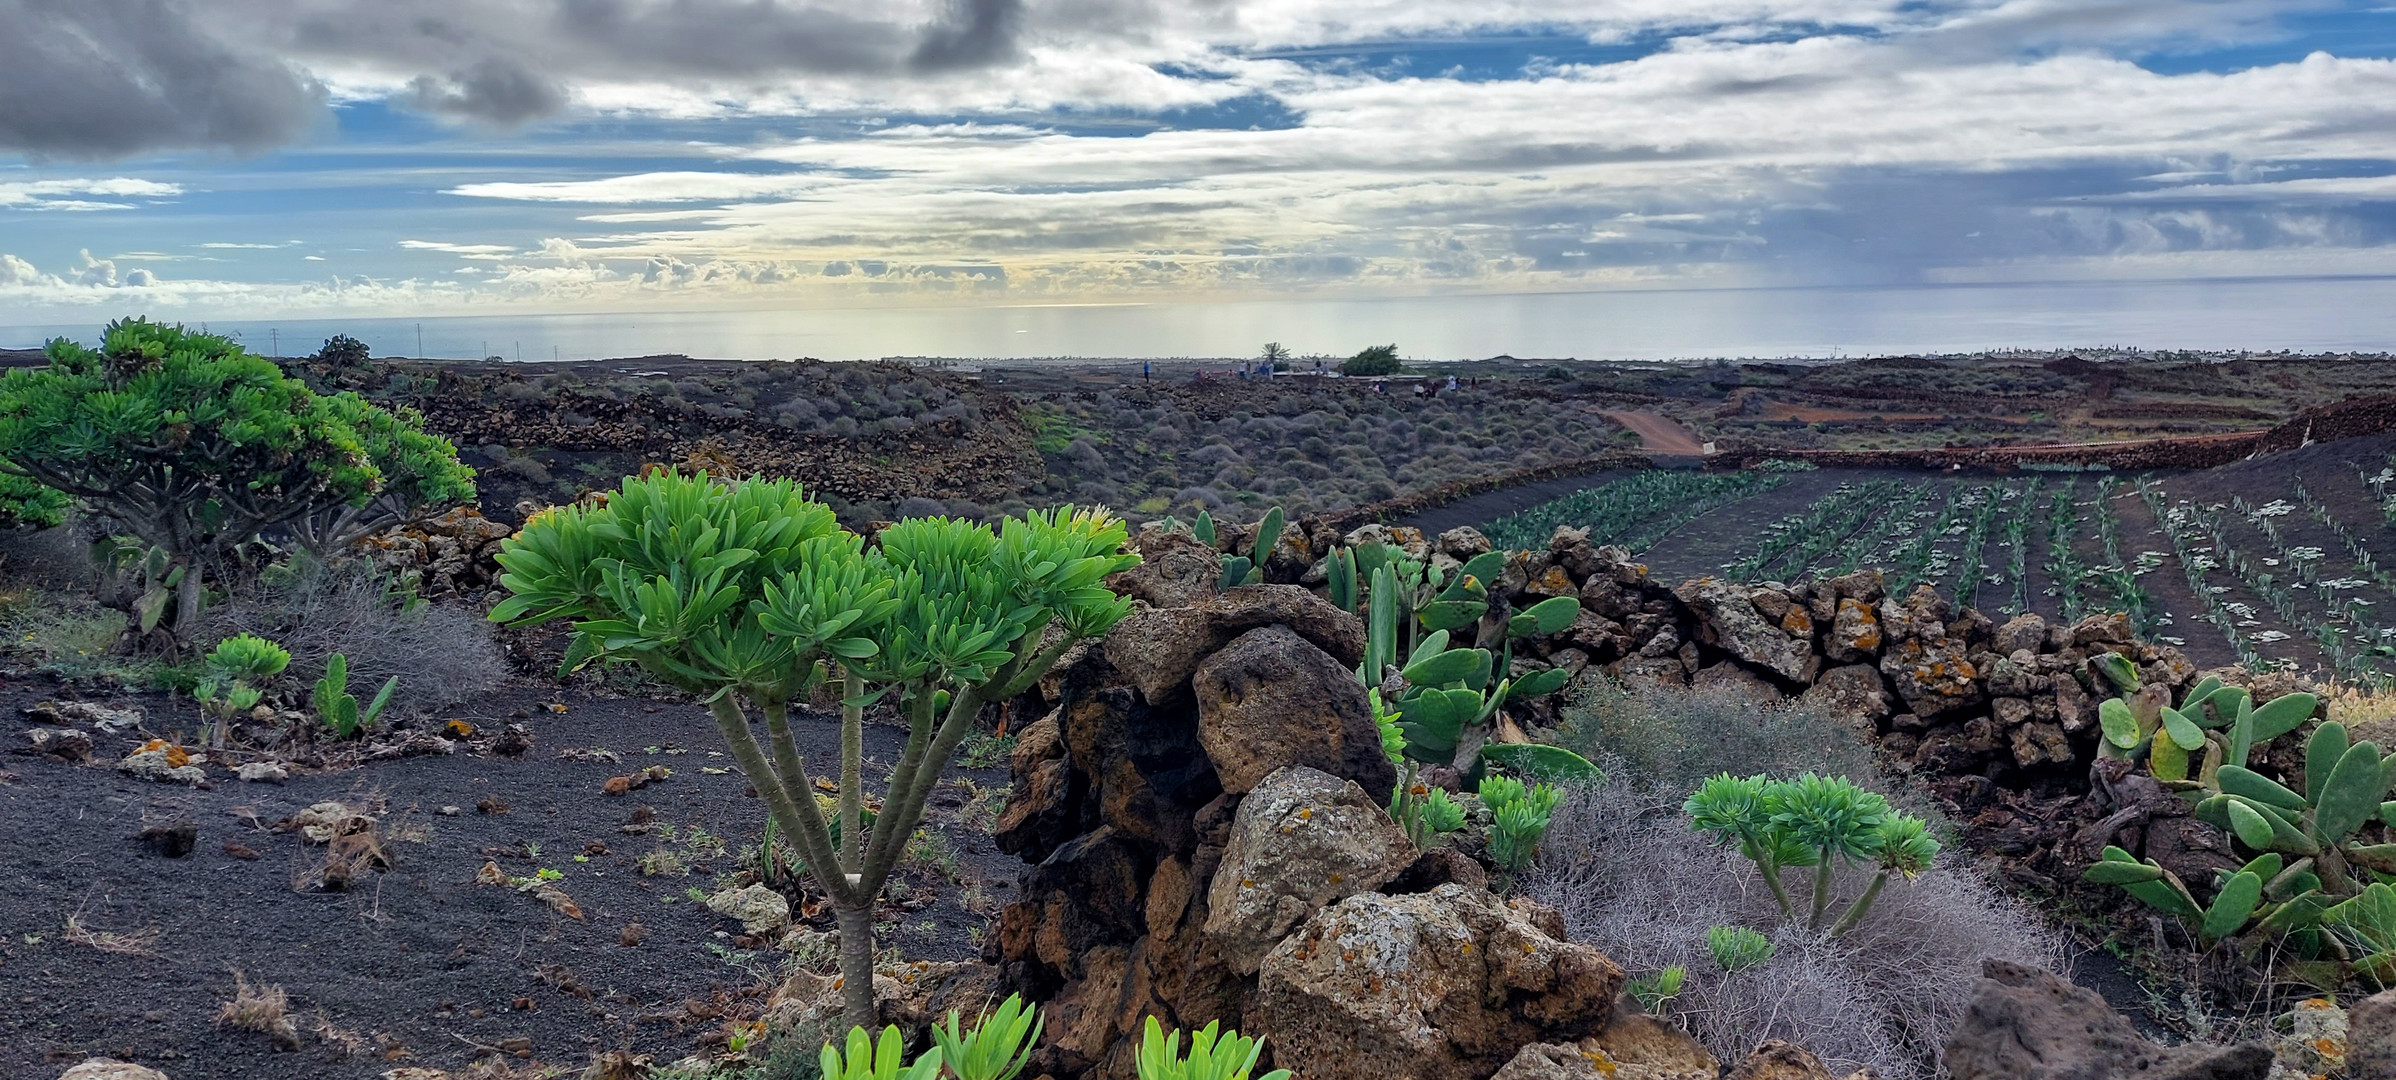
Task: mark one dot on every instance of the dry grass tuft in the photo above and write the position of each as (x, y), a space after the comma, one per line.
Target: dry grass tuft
(441, 652)
(2350, 704)
(1674, 737)
(137, 943)
(1634, 881)
(263, 1008)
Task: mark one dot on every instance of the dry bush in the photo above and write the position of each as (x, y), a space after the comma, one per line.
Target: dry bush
(442, 653)
(137, 943)
(1633, 880)
(1671, 738)
(263, 1008)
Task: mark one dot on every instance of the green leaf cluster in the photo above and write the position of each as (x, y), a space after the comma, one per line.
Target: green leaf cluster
(750, 595)
(2187, 746)
(1214, 1055)
(2316, 858)
(1519, 818)
(237, 667)
(995, 1049)
(338, 708)
(194, 445)
(1812, 821)
(1737, 948)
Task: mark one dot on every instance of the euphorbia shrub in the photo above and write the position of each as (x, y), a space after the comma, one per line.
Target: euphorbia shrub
(749, 594)
(194, 446)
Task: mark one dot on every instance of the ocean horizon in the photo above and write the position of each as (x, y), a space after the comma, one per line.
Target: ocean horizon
(2330, 314)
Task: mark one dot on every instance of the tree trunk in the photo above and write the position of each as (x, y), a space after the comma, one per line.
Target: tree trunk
(857, 963)
(187, 604)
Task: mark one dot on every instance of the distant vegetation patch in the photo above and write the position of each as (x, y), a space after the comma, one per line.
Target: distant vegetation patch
(1635, 511)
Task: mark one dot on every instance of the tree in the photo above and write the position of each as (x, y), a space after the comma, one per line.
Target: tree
(749, 595)
(343, 351)
(1374, 360)
(1276, 356)
(193, 446)
(421, 477)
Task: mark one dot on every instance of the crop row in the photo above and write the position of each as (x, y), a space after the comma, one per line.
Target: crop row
(1635, 511)
(2181, 528)
(2120, 576)
(1805, 538)
(1987, 506)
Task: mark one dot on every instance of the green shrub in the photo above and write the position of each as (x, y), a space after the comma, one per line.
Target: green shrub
(194, 446)
(1812, 821)
(750, 595)
(1372, 360)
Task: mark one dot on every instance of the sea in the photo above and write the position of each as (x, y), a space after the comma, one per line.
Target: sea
(2340, 314)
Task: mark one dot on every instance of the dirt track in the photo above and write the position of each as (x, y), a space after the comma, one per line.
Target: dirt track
(1660, 434)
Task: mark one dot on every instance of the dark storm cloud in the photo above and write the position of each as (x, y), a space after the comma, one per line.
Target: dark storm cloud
(979, 33)
(107, 78)
(494, 91)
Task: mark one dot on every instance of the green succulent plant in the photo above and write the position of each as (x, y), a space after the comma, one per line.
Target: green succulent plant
(997, 1048)
(1519, 818)
(1249, 569)
(1737, 948)
(1655, 990)
(884, 1059)
(1214, 1055)
(749, 595)
(237, 667)
(338, 708)
(2313, 853)
(1813, 821)
(2186, 746)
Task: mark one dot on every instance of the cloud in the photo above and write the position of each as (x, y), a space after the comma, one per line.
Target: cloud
(47, 194)
(494, 91)
(108, 78)
(469, 250)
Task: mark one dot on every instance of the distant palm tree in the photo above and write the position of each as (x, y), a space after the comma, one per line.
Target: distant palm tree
(1276, 355)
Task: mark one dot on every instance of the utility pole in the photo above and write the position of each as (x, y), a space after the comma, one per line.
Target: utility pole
(553, 353)
(274, 335)
(519, 352)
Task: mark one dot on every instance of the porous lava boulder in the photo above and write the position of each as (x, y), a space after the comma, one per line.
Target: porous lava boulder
(2025, 1023)
(2371, 1036)
(1854, 692)
(1175, 569)
(1444, 985)
(1158, 648)
(1729, 619)
(1271, 699)
(1302, 840)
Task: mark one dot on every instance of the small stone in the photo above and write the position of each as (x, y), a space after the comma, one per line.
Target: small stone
(110, 1069)
(66, 743)
(154, 765)
(171, 841)
(262, 772)
(448, 811)
(632, 935)
(760, 910)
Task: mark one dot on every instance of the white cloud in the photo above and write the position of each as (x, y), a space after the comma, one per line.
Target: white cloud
(51, 194)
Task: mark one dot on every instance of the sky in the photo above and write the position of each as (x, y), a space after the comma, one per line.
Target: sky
(258, 159)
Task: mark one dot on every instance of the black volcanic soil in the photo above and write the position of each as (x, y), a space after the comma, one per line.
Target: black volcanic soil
(418, 963)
